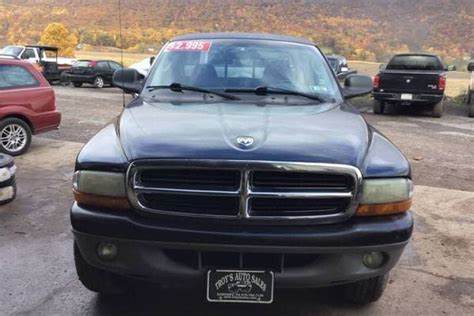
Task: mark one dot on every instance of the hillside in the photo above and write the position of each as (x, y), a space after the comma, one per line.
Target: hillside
(360, 29)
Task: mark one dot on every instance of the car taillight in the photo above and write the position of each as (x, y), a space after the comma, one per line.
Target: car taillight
(376, 81)
(442, 82)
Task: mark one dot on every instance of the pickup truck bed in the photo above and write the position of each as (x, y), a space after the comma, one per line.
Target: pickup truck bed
(423, 86)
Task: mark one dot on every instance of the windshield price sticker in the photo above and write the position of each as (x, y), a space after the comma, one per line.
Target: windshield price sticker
(182, 46)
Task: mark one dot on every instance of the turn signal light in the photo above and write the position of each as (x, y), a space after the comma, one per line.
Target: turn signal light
(104, 202)
(383, 209)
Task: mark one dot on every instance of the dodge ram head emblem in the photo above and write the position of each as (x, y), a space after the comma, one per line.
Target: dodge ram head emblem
(245, 141)
(408, 80)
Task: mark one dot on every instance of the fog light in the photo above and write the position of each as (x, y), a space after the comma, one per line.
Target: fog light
(107, 251)
(373, 260)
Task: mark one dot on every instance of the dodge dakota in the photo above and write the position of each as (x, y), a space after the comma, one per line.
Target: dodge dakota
(239, 168)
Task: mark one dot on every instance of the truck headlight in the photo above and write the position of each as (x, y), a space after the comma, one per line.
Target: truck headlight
(100, 189)
(385, 196)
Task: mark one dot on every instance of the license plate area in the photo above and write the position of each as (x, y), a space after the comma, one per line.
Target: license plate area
(240, 286)
(406, 96)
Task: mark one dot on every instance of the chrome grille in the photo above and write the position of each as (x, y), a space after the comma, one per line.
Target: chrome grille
(247, 190)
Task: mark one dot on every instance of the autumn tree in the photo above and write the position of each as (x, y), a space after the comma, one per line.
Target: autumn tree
(56, 34)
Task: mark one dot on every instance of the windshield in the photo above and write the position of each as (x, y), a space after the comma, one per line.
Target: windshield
(244, 64)
(11, 50)
(415, 62)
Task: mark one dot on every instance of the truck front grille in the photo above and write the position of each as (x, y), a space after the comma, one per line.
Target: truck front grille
(273, 192)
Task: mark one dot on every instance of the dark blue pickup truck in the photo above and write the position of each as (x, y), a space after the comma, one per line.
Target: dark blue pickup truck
(237, 169)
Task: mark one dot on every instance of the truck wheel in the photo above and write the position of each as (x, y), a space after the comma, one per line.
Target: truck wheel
(97, 280)
(77, 84)
(64, 80)
(471, 110)
(378, 106)
(365, 291)
(15, 136)
(438, 109)
(470, 104)
(99, 82)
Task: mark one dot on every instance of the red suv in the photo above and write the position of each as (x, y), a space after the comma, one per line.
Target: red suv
(27, 105)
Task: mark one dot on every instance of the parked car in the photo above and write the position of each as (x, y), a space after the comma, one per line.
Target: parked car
(27, 105)
(413, 80)
(240, 159)
(7, 179)
(52, 68)
(340, 67)
(95, 72)
(470, 90)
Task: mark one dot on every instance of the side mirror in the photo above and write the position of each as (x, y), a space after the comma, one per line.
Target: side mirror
(152, 60)
(128, 80)
(451, 68)
(357, 85)
(470, 67)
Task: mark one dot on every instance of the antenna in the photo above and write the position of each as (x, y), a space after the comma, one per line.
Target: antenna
(121, 47)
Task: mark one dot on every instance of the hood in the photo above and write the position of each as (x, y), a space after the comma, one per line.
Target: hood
(326, 133)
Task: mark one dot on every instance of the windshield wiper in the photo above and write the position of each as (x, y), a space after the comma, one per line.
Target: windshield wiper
(177, 87)
(264, 90)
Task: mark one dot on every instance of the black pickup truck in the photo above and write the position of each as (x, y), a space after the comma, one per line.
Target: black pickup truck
(411, 79)
(239, 168)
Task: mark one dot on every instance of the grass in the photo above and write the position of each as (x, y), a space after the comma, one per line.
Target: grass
(128, 58)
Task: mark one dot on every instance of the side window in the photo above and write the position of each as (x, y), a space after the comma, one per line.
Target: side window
(13, 76)
(28, 53)
(103, 64)
(114, 65)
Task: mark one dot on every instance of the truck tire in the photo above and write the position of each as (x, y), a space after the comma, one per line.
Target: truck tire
(378, 106)
(98, 280)
(470, 104)
(365, 291)
(15, 136)
(438, 109)
(77, 84)
(470, 110)
(99, 82)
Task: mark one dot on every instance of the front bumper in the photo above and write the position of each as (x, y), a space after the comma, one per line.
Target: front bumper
(159, 251)
(417, 98)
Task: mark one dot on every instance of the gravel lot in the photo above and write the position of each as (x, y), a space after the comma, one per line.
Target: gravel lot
(435, 275)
